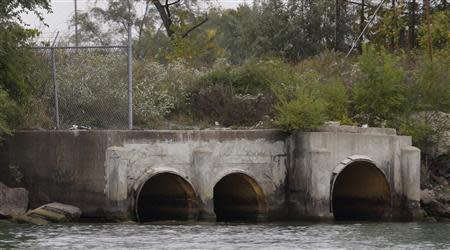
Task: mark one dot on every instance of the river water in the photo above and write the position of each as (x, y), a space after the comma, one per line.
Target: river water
(227, 236)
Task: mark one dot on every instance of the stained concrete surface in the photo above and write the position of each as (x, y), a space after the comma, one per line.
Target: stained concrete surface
(292, 175)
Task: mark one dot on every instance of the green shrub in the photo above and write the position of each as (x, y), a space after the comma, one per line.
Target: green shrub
(331, 92)
(334, 93)
(429, 100)
(329, 65)
(220, 103)
(238, 96)
(160, 90)
(9, 113)
(305, 111)
(439, 31)
(430, 90)
(379, 94)
(422, 132)
(258, 75)
(255, 76)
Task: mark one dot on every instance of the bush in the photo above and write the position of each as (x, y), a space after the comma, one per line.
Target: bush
(238, 96)
(425, 136)
(334, 93)
(305, 111)
(379, 95)
(439, 31)
(220, 103)
(8, 113)
(329, 96)
(429, 101)
(431, 89)
(92, 89)
(160, 90)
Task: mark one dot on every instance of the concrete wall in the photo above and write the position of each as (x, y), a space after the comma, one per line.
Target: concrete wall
(318, 156)
(203, 160)
(101, 171)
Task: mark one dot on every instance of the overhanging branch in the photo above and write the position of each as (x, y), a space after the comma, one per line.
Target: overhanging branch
(185, 34)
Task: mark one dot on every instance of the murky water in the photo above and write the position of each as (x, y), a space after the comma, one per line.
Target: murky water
(228, 236)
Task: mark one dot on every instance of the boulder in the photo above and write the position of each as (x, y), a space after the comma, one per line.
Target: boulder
(427, 196)
(29, 219)
(13, 201)
(432, 206)
(56, 212)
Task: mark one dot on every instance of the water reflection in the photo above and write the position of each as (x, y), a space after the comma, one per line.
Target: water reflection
(227, 236)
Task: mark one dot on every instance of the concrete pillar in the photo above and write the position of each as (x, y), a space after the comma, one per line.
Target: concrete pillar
(116, 188)
(202, 160)
(410, 165)
(318, 161)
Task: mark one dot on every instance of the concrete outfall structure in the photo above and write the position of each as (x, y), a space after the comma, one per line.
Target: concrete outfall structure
(337, 172)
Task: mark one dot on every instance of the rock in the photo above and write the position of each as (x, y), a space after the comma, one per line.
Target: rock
(30, 219)
(444, 198)
(48, 215)
(433, 207)
(426, 196)
(429, 219)
(56, 212)
(446, 220)
(440, 180)
(13, 201)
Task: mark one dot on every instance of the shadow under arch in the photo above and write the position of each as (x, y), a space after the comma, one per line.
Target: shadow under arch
(166, 196)
(238, 197)
(360, 191)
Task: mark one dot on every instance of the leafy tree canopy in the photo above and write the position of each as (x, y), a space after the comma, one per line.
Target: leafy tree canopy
(14, 56)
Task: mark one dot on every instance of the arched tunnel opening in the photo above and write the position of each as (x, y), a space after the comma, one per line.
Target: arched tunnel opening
(238, 197)
(360, 192)
(166, 196)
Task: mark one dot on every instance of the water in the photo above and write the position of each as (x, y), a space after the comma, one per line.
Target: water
(227, 236)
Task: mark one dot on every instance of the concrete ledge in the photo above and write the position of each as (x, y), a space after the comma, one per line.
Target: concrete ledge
(358, 130)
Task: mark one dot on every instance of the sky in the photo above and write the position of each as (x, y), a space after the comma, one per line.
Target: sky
(63, 10)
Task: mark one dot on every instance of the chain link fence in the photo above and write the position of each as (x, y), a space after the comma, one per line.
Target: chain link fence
(85, 86)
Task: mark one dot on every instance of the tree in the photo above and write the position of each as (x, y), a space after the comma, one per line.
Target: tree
(15, 57)
(118, 14)
(288, 29)
(10, 10)
(439, 31)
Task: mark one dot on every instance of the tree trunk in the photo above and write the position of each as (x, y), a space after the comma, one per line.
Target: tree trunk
(429, 40)
(412, 25)
(337, 33)
(362, 22)
(394, 26)
(167, 22)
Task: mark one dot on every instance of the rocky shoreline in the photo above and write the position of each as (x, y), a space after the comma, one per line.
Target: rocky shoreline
(14, 208)
(436, 203)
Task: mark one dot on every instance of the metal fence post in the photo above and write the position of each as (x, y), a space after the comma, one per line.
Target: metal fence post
(130, 78)
(55, 87)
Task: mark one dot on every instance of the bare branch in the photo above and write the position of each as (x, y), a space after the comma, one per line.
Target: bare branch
(143, 20)
(195, 27)
(167, 8)
(172, 3)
